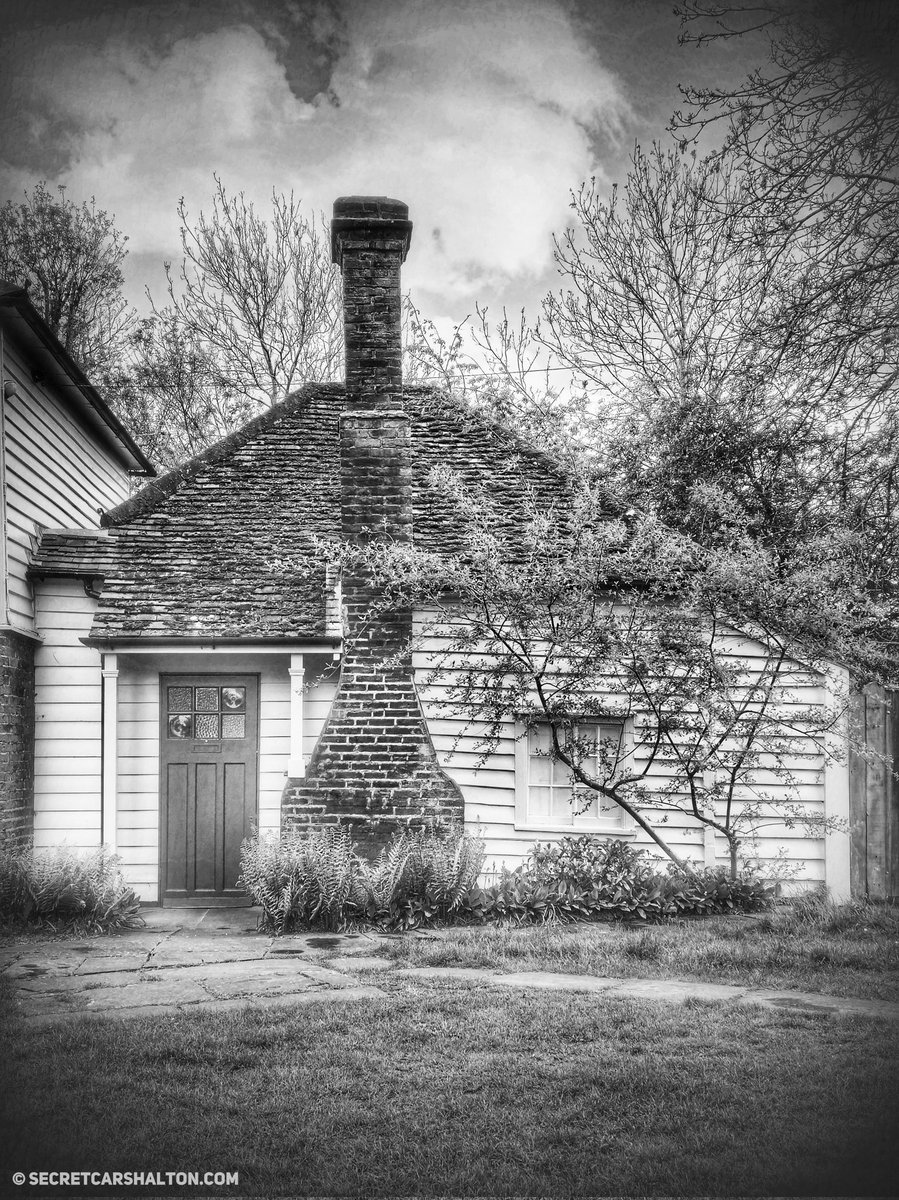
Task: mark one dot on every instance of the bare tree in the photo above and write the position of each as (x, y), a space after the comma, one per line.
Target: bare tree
(70, 256)
(503, 370)
(172, 395)
(259, 297)
(716, 400)
(816, 132)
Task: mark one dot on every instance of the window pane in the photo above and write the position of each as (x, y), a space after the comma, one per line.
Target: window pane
(234, 725)
(181, 727)
(586, 805)
(561, 804)
(539, 802)
(207, 699)
(181, 699)
(207, 726)
(234, 699)
(539, 739)
(609, 811)
(540, 771)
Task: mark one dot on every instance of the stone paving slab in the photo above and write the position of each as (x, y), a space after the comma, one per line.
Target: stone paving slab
(131, 994)
(40, 965)
(106, 963)
(463, 974)
(554, 981)
(208, 1005)
(234, 979)
(359, 962)
(55, 984)
(814, 1002)
(186, 952)
(675, 989)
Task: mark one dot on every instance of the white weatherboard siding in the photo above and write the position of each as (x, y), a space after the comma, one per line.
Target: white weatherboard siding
(137, 831)
(57, 476)
(488, 786)
(68, 700)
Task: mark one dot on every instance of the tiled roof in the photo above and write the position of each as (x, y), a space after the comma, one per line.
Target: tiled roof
(86, 554)
(215, 548)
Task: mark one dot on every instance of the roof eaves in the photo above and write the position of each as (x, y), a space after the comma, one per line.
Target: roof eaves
(15, 297)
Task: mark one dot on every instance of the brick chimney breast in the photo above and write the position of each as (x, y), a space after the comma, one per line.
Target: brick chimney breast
(370, 238)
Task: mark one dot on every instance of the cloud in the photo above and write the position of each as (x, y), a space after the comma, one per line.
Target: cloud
(479, 114)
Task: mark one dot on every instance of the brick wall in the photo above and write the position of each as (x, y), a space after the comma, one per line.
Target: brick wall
(374, 767)
(16, 738)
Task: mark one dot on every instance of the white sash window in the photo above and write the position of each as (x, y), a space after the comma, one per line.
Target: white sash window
(548, 799)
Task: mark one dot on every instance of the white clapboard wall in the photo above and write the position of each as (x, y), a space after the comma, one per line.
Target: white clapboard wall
(489, 785)
(57, 476)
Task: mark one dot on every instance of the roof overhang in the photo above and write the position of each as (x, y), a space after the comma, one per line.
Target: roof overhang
(164, 645)
(23, 322)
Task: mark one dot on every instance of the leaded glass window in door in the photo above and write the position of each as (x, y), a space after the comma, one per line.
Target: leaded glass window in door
(206, 713)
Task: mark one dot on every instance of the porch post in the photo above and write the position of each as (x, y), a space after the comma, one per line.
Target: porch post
(296, 767)
(110, 672)
(836, 789)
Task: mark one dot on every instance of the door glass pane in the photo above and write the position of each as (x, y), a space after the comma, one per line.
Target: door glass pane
(207, 726)
(234, 725)
(181, 699)
(207, 699)
(181, 726)
(234, 699)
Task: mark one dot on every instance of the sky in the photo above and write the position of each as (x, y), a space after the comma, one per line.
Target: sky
(482, 115)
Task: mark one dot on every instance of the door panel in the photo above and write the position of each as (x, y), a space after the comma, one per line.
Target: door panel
(208, 782)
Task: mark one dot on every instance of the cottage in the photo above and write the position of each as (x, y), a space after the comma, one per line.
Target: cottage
(199, 675)
(64, 458)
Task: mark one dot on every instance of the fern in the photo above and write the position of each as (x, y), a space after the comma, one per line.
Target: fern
(66, 886)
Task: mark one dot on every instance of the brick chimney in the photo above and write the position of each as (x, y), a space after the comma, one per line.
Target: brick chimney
(370, 238)
(374, 767)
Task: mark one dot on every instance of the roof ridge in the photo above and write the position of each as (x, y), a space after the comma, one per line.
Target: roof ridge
(166, 485)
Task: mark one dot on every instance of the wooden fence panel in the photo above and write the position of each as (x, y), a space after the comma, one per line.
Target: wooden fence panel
(874, 795)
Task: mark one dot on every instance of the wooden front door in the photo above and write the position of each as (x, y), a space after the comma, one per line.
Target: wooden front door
(208, 783)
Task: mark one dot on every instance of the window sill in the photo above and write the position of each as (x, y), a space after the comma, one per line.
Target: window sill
(574, 830)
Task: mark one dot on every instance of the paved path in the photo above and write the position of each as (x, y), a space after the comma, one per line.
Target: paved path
(195, 959)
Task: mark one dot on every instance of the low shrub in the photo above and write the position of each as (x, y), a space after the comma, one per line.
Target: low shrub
(588, 879)
(66, 887)
(584, 861)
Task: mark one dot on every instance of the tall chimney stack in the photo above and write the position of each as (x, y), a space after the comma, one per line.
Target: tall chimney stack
(374, 767)
(369, 240)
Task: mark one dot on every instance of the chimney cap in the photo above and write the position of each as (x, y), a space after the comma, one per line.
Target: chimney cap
(378, 208)
(377, 215)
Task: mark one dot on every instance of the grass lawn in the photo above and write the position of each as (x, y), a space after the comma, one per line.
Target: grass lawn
(465, 1091)
(849, 951)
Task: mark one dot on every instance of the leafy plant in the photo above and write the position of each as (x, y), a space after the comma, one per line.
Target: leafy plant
(586, 879)
(585, 860)
(64, 886)
(316, 878)
(303, 878)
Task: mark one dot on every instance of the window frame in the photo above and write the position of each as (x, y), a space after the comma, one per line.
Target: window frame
(625, 828)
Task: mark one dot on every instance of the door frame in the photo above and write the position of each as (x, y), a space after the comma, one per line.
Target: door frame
(198, 678)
